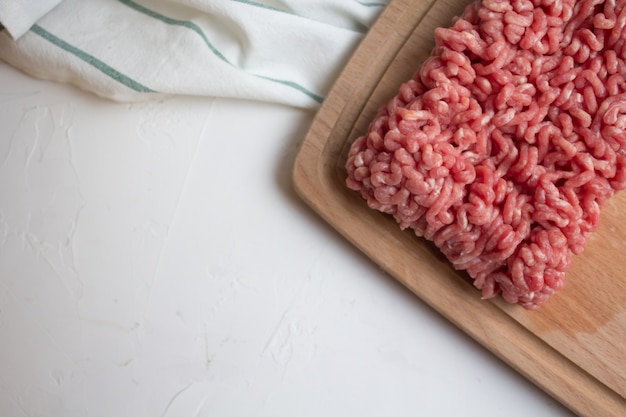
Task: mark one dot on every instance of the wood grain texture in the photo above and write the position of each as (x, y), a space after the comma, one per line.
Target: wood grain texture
(574, 347)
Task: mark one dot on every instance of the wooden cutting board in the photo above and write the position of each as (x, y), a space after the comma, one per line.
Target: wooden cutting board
(574, 347)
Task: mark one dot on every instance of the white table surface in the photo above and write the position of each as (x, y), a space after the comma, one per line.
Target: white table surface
(155, 261)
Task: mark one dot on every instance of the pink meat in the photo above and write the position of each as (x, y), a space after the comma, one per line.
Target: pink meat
(507, 142)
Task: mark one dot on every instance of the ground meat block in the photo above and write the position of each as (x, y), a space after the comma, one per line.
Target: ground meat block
(507, 142)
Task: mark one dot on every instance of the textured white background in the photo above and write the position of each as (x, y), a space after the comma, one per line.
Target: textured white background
(155, 261)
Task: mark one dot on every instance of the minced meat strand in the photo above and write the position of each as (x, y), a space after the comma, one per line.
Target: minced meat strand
(507, 142)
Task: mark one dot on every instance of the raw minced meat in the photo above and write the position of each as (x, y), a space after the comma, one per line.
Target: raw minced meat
(507, 142)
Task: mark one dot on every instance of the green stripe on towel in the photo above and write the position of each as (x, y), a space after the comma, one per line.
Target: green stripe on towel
(198, 30)
(91, 60)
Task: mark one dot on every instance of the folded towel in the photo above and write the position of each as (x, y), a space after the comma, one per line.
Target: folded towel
(17, 16)
(281, 51)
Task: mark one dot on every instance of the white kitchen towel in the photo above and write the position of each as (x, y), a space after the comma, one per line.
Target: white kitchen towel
(281, 51)
(17, 16)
